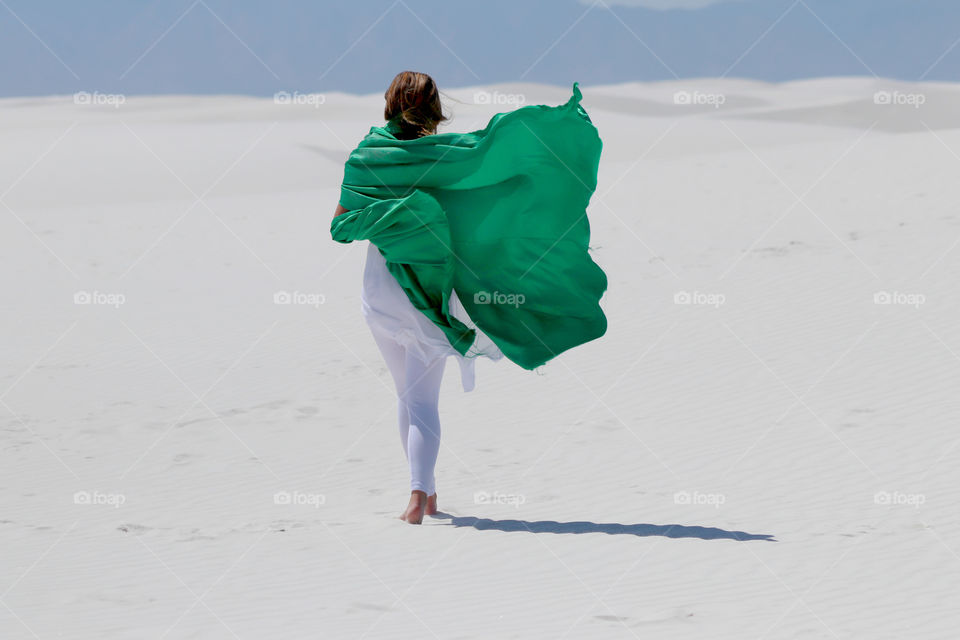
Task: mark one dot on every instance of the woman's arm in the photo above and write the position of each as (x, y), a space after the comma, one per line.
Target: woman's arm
(339, 210)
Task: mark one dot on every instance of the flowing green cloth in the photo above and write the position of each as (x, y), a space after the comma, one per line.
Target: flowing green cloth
(498, 215)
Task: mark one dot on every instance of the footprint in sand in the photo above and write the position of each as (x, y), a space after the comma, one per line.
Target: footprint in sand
(307, 412)
(135, 529)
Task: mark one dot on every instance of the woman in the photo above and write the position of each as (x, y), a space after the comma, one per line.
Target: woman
(496, 210)
(414, 349)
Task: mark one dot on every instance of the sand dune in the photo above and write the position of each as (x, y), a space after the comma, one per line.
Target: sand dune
(763, 445)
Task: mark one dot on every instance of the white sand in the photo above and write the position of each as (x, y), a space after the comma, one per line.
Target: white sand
(783, 412)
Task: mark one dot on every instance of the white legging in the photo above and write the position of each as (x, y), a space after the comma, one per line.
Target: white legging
(418, 397)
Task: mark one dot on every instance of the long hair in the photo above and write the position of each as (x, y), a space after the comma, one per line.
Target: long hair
(414, 100)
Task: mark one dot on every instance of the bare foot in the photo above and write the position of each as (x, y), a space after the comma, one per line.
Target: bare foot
(431, 505)
(416, 508)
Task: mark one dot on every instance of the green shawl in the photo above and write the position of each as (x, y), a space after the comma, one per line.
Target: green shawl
(498, 215)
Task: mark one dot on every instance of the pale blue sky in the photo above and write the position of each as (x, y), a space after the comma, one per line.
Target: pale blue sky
(263, 46)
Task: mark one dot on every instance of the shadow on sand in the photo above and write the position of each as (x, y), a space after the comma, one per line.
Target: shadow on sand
(611, 528)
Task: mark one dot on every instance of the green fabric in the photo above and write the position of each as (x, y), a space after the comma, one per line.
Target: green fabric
(499, 215)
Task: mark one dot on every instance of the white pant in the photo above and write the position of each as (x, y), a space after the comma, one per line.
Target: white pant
(418, 396)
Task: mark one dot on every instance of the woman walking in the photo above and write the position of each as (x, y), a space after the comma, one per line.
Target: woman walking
(478, 247)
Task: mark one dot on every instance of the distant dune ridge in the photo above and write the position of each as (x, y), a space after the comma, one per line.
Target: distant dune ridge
(200, 436)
